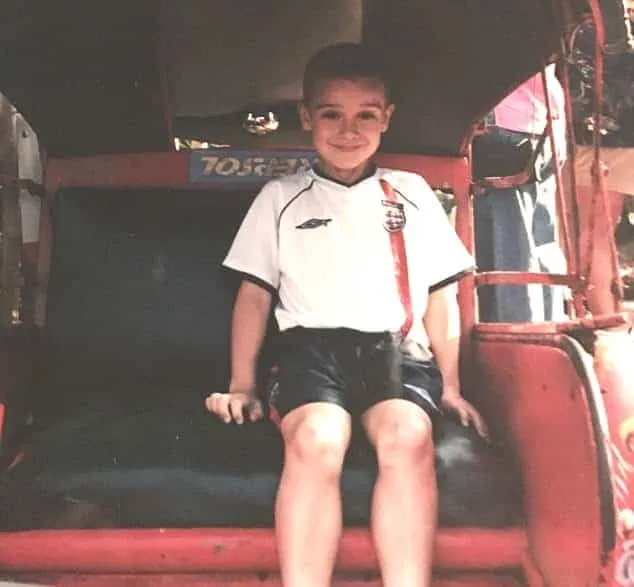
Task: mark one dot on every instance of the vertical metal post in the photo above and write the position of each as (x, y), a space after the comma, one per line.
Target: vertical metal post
(10, 219)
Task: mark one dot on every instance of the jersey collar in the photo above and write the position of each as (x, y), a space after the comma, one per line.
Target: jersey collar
(370, 172)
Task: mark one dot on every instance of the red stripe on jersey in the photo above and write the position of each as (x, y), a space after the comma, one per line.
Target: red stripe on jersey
(399, 254)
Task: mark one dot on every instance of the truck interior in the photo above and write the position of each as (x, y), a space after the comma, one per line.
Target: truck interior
(112, 470)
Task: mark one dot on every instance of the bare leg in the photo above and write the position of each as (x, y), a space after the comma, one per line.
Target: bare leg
(405, 495)
(308, 510)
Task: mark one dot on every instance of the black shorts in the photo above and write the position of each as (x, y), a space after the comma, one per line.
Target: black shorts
(354, 370)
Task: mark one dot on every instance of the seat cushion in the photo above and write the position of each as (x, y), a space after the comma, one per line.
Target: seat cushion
(177, 466)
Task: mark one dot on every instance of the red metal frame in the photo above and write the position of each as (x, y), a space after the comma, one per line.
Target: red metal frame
(232, 550)
(561, 508)
(526, 277)
(168, 169)
(171, 169)
(206, 579)
(539, 390)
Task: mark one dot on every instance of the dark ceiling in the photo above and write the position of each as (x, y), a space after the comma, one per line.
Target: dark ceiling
(120, 76)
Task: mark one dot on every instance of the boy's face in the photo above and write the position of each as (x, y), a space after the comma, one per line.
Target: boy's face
(346, 119)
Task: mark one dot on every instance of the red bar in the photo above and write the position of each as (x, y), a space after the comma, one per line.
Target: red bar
(170, 169)
(600, 322)
(453, 172)
(526, 277)
(230, 550)
(205, 580)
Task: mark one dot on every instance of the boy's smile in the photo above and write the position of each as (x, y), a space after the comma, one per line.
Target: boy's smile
(347, 119)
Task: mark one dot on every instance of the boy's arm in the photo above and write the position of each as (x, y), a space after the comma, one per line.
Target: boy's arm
(442, 324)
(249, 322)
(248, 327)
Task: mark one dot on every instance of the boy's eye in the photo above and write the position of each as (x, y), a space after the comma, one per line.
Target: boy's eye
(368, 115)
(330, 114)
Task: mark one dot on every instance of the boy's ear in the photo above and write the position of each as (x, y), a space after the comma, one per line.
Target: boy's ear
(304, 117)
(387, 116)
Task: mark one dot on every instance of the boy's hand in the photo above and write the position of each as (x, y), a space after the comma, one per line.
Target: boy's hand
(452, 400)
(234, 406)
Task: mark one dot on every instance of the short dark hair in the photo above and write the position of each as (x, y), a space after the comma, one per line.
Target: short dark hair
(344, 61)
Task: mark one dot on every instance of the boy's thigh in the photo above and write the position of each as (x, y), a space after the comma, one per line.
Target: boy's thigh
(308, 372)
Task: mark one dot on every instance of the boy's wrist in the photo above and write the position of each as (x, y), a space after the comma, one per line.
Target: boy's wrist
(242, 385)
(451, 390)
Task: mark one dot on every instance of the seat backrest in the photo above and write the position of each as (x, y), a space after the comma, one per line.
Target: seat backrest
(138, 303)
(136, 298)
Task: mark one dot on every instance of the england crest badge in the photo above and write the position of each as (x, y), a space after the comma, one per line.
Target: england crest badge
(394, 216)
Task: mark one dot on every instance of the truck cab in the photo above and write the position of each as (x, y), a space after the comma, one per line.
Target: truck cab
(113, 473)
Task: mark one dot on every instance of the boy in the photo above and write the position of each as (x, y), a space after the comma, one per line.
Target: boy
(326, 242)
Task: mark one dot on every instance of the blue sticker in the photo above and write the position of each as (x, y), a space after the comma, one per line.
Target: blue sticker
(244, 167)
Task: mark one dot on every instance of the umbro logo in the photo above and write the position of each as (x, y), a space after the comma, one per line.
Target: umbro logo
(314, 223)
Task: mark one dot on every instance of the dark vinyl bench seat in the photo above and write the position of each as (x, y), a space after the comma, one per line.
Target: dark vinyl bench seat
(136, 335)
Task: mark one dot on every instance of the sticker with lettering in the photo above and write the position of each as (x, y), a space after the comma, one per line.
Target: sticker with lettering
(235, 166)
(625, 565)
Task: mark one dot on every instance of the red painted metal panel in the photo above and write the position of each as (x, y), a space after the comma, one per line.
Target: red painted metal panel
(453, 172)
(200, 580)
(231, 550)
(171, 169)
(168, 169)
(588, 324)
(533, 393)
(522, 277)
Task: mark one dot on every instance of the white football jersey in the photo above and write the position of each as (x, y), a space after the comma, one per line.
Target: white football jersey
(325, 249)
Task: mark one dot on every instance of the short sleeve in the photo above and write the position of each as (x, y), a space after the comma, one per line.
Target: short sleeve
(254, 251)
(448, 259)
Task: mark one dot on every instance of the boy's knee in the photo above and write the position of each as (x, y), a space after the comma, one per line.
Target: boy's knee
(319, 442)
(405, 442)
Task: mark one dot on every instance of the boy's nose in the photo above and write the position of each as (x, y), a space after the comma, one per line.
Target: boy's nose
(349, 126)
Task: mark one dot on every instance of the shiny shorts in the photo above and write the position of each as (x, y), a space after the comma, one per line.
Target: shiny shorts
(354, 370)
